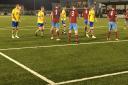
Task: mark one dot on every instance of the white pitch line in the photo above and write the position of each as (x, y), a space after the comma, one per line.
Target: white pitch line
(28, 69)
(91, 78)
(47, 27)
(64, 45)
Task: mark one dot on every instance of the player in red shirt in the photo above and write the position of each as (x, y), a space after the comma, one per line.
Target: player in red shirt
(73, 24)
(112, 17)
(126, 19)
(85, 16)
(55, 17)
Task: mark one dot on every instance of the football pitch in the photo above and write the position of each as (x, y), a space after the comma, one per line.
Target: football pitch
(35, 60)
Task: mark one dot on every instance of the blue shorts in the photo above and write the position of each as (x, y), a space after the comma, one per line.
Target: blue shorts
(56, 25)
(91, 24)
(112, 26)
(40, 24)
(86, 21)
(73, 26)
(15, 24)
(63, 22)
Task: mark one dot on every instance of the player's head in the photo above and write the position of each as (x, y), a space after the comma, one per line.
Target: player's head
(86, 6)
(73, 8)
(64, 8)
(17, 6)
(56, 7)
(20, 7)
(42, 8)
(92, 7)
(113, 8)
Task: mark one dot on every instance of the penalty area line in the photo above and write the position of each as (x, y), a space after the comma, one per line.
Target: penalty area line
(28, 69)
(63, 45)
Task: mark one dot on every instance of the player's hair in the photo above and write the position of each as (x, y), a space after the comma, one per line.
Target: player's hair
(17, 5)
(64, 8)
(42, 6)
(92, 6)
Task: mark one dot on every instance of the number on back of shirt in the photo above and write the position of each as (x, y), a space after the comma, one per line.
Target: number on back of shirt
(73, 13)
(112, 13)
(56, 12)
(86, 11)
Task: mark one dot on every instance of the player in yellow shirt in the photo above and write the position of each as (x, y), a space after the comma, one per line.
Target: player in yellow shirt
(40, 21)
(63, 19)
(16, 14)
(92, 19)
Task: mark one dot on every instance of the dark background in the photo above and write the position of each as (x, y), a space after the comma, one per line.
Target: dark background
(29, 4)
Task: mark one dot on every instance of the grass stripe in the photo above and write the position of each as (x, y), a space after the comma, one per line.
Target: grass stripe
(28, 69)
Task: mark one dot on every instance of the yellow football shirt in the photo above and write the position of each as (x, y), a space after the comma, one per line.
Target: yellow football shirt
(40, 17)
(92, 15)
(63, 15)
(16, 13)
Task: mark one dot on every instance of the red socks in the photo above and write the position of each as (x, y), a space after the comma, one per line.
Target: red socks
(76, 38)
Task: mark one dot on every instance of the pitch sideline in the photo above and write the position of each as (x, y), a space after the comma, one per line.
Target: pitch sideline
(91, 78)
(63, 45)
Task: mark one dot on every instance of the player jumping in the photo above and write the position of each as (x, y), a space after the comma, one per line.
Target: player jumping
(112, 16)
(85, 16)
(73, 24)
(40, 22)
(91, 18)
(55, 16)
(63, 19)
(16, 13)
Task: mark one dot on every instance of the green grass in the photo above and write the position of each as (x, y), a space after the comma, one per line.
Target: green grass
(62, 63)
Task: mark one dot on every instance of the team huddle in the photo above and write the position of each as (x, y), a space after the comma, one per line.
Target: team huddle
(56, 15)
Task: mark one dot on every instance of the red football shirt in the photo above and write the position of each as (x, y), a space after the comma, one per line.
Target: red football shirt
(85, 13)
(126, 15)
(112, 15)
(73, 16)
(56, 15)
